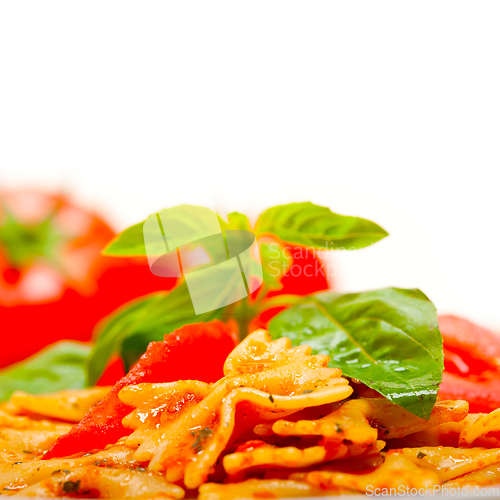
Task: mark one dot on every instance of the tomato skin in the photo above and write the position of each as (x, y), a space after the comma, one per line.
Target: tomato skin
(472, 364)
(306, 275)
(479, 344)
(193, 352)
(47, 299)
(113, 372)
(483, 396)
(74, 316)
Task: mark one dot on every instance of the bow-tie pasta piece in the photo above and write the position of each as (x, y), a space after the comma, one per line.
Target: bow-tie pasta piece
(486, 476)
(485, 430)
(157, 405)
(31, 441)
(100, 482)
(257, 353)
(19, 472)
(273, 456)
(257, 488)
(450, 463)
(278, 368)
(396, 471)
(454, 433)
(264, 457)
(70, 404)
(269, 379)
(361, 421)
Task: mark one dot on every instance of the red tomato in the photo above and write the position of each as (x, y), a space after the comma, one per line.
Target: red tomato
(472, 364)
(306, 275)
(54, 284)
(182, 355)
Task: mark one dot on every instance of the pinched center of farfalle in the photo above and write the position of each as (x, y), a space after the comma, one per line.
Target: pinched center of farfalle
(363, 421)
(257, 353)
(182, 428)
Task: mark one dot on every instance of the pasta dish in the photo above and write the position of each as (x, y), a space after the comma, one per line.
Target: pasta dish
(246, 375)
(280, 423)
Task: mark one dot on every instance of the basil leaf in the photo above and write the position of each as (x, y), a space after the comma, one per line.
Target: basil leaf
(388, 339)
(318, 227)
(185, 219)
(60, 366)
(130, 329)
(128, 243)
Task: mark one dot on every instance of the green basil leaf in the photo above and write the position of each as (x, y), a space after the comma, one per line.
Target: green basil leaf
(388, 339)
(128, 331)
(60, 366)
(130, 242)
(318, 227)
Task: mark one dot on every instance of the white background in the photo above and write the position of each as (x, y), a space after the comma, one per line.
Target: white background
(387, 110)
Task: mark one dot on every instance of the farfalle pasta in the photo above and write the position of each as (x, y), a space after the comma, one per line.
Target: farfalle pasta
(280, 423)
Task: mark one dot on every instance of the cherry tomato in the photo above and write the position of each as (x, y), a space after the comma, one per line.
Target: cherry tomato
(54, 284)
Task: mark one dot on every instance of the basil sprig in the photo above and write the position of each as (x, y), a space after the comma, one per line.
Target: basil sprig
(296, 223)
(127, 331)
(388, 339)
(130, 242)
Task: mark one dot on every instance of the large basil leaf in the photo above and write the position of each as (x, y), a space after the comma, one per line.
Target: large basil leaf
(128, 331)
(61, 366)
(388, 339)
(318, 227)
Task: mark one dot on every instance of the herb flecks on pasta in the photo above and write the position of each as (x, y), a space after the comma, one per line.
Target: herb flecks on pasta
(396, 471)
(270, 378)
(280, 423)
(363, 420)
(70, 405)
